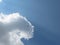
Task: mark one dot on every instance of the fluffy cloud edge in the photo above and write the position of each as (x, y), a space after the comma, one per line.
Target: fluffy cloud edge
(6, 19)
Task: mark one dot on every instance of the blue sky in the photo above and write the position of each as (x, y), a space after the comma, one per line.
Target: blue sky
(43, 14)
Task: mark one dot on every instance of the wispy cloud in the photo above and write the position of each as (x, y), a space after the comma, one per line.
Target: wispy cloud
(13, 28)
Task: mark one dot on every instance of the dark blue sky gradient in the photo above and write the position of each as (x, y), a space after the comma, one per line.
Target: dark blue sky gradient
(43, 14)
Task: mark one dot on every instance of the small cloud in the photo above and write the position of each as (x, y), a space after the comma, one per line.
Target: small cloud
(0, 0)
(13, 28)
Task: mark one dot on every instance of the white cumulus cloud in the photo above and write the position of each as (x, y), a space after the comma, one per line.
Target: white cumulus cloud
(13, 28)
